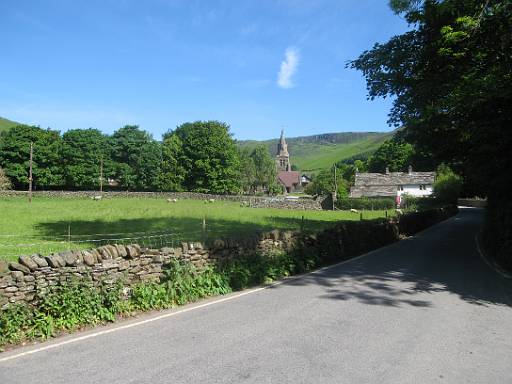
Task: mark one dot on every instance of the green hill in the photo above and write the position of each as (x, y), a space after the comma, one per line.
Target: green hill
(312, 153)
(7, 124)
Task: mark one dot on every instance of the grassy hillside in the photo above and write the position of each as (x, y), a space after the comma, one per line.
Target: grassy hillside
(6, 124)
(312, 153)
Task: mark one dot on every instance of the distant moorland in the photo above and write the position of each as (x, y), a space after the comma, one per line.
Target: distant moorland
(316, 152)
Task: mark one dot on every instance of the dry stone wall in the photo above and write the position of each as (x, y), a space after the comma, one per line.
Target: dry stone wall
(24, 280)
(31, 276)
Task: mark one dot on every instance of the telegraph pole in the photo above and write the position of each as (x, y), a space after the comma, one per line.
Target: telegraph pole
(101, 175)
(30, 173)
(334, 193)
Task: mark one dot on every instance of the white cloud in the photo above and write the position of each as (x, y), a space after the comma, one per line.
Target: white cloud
(288, 68)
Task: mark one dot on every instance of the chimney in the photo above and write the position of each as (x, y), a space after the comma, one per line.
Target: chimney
(409, 171)
(387, 170)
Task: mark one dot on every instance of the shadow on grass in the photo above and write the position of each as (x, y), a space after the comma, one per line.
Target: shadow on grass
(182, 229)
(441, 261)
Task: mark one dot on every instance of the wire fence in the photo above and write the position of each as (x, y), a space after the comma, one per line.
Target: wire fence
(12, 245)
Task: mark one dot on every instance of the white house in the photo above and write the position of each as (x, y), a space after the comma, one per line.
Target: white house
(393, 184)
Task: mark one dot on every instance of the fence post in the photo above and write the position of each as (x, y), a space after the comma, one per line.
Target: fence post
(204, 229)
(361, 216)
(69, 236)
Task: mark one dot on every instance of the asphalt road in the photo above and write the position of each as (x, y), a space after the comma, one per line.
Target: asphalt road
(424, 310)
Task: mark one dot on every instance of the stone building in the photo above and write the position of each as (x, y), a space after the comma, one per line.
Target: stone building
(393, 184)
(288, 179)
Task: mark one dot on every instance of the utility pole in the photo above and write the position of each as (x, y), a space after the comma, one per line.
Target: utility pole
(101, 175)
(30, 173)
(334, 192)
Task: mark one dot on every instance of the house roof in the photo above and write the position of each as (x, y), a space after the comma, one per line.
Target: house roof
(288, 178)
(385, 184)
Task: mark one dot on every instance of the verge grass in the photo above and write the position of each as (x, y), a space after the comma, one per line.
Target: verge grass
(52, 225)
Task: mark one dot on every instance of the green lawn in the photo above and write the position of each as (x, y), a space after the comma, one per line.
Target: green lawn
(50, 225)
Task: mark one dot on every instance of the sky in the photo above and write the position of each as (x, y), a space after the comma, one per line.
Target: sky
(260, 66)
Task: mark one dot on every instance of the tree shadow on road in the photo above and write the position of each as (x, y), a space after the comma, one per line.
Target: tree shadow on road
(443, 260)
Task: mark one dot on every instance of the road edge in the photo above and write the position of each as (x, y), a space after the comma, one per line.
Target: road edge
(146, 317)
(495, 267)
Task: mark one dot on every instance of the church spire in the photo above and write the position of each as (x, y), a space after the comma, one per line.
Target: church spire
(282, 147)
(283, 158)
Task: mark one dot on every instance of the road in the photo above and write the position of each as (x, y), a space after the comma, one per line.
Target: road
(424, 310)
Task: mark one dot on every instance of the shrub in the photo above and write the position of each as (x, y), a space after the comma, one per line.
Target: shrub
(365, 203)
(5, 183)
(447, 186)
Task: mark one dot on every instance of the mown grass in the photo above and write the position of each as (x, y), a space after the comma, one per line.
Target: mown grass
(51, 225)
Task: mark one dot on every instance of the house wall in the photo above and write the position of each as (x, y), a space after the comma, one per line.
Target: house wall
(414, 190)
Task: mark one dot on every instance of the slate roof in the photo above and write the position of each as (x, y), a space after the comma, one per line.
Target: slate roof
(288, 178)
(385, 184)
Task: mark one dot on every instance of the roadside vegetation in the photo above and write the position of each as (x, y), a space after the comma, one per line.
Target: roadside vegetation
(75, 304)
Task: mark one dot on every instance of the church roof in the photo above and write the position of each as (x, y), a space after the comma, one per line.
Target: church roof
(288, 178)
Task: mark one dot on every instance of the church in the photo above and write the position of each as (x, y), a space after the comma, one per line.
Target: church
(288, 179)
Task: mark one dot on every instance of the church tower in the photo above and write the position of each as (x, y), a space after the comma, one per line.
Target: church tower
(283, 157)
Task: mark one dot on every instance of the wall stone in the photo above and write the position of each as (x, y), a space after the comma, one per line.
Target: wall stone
(24, 280)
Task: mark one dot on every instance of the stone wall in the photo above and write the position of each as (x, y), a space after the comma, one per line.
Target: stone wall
(252, 201)
(22, 281)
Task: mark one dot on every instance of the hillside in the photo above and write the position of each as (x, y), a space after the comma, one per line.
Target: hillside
(6, 124)
(312, 153)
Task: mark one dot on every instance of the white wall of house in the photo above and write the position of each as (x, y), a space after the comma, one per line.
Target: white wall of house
(415, 190)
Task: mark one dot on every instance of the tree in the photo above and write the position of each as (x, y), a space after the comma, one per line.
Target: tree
(450, 76)
(447, 185)
(323, 183)
(137, 158)
(247, 171)
(83, 150)
(15, 154)
(265, 170)
(172, 172)
(5, 183)
(393, 154)
(209, 157)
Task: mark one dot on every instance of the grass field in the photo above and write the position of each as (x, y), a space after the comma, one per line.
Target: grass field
(50, 225)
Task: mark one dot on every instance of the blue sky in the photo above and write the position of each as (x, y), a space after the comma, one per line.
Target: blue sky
(257, 65)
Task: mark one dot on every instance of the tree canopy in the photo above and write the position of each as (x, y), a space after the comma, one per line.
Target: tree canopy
(451, 79)
(209, 157)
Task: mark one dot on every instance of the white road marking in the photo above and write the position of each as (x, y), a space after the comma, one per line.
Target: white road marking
(166, 315)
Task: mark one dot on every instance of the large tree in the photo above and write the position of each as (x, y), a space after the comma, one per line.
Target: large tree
(15, 154)
(83, 151)
(172, 172)
(451, 76)
(208, 156)
(393, 154)
(137, 158)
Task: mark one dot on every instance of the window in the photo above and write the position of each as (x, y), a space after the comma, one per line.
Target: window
(400, 188)
(422, 187)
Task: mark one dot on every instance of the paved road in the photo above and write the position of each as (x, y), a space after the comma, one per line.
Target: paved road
(424, 310)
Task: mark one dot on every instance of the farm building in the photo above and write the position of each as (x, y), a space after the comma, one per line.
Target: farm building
(393, 184)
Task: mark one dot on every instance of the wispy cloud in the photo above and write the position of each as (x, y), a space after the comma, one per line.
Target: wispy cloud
(288, 68)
